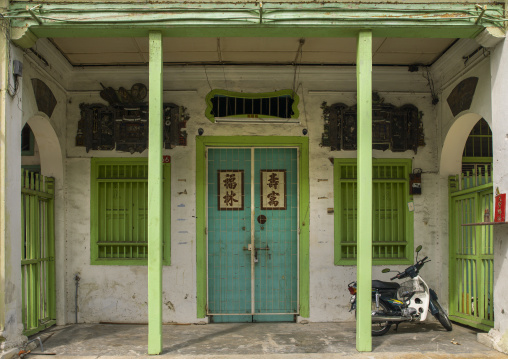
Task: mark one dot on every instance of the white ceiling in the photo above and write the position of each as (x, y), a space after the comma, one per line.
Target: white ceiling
(237, 50)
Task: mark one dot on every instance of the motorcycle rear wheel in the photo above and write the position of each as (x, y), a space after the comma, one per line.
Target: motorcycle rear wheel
(442, 316)
(380, 328)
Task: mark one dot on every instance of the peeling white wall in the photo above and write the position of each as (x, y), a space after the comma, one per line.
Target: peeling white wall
(118, 293)
(499, 65)
(11, 202)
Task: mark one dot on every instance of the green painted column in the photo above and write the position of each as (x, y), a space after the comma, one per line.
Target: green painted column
(155, 202)
(364, 214)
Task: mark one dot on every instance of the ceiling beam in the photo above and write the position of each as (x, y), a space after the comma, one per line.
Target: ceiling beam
(435, 20)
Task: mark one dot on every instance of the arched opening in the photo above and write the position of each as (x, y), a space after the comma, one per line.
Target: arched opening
(477, 155)
(467, 159)
(30, 159)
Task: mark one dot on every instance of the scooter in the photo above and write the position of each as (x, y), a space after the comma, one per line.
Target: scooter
(394, 303)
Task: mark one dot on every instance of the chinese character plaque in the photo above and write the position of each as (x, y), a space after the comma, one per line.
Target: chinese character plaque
(273, 189)
(230, 191)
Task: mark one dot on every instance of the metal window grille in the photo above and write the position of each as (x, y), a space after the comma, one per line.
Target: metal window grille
(391, 222)
(479, 142)
(270, 106)
(120, 204)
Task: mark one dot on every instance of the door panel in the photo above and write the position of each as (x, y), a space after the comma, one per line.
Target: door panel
(276, 271)
(252, 265)
(229, 272)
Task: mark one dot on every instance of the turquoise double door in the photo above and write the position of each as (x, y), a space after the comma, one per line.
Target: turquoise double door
(252, 230)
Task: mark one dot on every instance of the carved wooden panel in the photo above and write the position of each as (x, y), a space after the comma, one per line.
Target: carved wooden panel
(124, 127)
(393, 128)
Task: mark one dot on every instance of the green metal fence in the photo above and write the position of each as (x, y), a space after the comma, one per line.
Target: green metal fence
(38, 251)
(471, 250)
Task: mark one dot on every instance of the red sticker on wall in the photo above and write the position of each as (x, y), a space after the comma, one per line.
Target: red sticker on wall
(166, 159)
(500, 208)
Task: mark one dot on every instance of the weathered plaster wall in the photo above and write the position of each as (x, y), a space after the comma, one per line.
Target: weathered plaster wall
(11, 207)
(112, 293)
(499, 65)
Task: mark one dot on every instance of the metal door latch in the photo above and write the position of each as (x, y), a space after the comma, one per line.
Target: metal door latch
(249, 248)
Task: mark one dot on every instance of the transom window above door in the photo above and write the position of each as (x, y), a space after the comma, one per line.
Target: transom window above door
(227, 106)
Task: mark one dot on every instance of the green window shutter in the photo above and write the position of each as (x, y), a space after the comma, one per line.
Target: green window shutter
(392, 222)
(119, 196)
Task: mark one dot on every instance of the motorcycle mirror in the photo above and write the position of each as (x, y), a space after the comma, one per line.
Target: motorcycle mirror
(418, 249)
(386, 270)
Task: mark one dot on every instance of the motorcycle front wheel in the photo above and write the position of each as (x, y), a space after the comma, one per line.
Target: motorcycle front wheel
(442, 316)
(380, 328)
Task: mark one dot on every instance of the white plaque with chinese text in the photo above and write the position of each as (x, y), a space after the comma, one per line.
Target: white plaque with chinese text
(230, 189)
(273, 189)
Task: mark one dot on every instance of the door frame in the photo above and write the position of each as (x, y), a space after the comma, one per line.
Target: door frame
(204, 142)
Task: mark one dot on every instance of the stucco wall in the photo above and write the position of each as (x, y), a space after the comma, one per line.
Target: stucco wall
(10, 273)
(113, 293)
(499, 138)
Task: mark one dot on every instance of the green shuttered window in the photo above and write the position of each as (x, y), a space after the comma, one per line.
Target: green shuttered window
(392, 222)
(119, 211)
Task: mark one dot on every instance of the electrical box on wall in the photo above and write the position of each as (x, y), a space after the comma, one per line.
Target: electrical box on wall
(415, 182)
(17, 68)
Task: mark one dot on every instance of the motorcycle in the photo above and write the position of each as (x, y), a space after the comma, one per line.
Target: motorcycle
(394, 303)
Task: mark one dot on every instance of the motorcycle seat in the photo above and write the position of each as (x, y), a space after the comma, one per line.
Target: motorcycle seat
(385, 285)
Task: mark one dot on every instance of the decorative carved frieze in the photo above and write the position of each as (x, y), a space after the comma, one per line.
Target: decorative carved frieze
(124, 127)
(393, 128)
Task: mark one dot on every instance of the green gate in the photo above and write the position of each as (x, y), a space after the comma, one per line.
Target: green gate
(37, 252)
(471, 249)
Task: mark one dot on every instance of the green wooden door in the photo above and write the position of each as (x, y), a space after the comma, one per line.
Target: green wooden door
(471, 256)
(252, 234)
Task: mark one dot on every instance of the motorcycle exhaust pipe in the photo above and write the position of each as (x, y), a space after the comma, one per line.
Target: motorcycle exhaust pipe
(384, 318)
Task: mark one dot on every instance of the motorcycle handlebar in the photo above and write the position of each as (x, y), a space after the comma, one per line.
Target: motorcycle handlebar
(417, 266)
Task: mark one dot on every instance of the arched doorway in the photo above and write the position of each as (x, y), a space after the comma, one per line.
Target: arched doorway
(471, 217)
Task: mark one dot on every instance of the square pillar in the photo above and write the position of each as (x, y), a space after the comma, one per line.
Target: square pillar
(364, 213)
(155, 202)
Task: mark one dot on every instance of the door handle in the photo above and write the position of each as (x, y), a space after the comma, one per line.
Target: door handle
(249, 248)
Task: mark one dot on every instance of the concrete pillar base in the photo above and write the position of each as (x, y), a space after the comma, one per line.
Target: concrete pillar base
(8, 354)
(495, 340)
(11, 341)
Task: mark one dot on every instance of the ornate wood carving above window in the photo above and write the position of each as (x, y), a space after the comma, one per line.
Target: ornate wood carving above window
(124, 127)
(393, 128)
